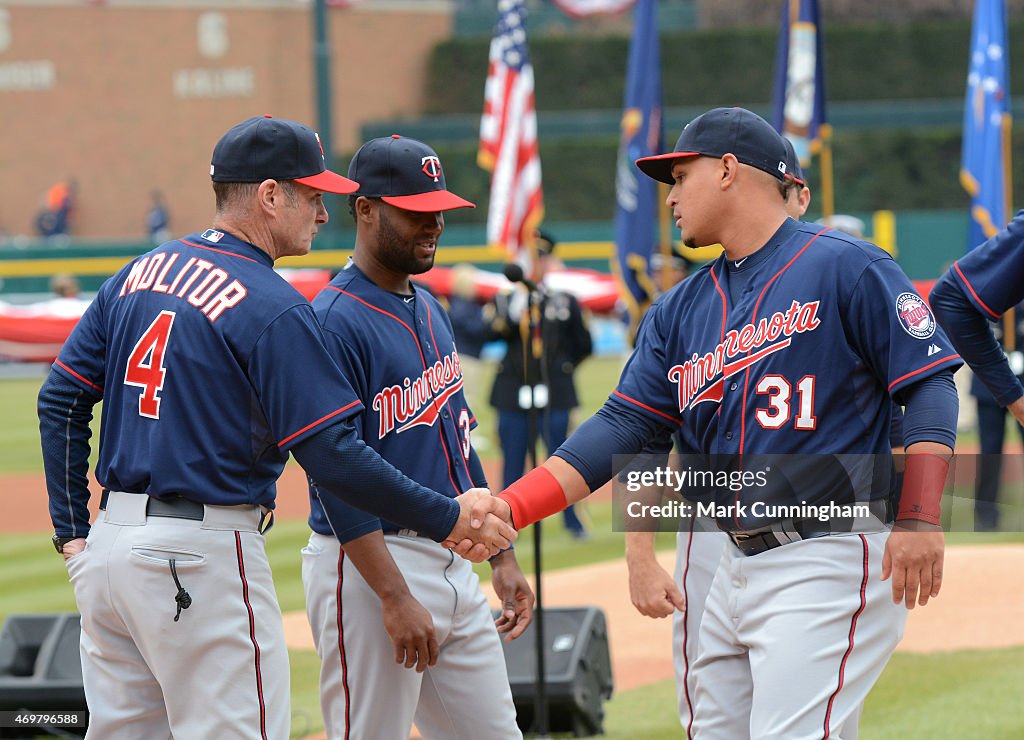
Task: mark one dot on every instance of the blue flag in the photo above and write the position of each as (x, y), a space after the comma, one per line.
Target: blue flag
(985, 160)
(798, 104)
(636, 195)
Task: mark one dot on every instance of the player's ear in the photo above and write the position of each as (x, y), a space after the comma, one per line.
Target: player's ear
(365, 209)
(269, 194)
(729, 168)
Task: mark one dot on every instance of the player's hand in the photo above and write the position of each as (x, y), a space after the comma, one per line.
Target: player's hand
(411, 629)
(652, 590)
(913, 558)
(483, 529)
(516, 596)
(73, 548)
(1017, 409)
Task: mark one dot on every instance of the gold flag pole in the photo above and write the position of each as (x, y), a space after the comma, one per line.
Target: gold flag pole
(828, 202)
(665, 242)
(1009, 328)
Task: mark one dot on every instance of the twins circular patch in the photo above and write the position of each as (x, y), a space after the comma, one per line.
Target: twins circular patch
(915, 316)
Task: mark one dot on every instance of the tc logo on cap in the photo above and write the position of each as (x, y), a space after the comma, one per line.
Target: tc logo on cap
(431, 167)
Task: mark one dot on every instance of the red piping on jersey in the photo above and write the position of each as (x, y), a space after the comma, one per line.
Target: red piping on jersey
(341, 643)
(725, 321)
(218, 251)
(645, 406)
(753, 319)
(853, 628)
(921, 370)
(981, 303)
(440, 432)
(290, 437)
(252, 635)
(686, 635)
(88, 383)
(725, 307)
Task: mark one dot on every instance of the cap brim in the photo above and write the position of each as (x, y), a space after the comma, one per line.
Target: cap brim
(330, 182)
(435, 200)
(659, 167)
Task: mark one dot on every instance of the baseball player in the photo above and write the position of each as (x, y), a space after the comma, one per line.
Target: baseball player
(699, 545)
(381, 598)
(205, 359)
(978, 288)
(794, 342)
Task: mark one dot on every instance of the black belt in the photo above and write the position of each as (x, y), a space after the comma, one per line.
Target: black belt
(173, 507)
(755, 544)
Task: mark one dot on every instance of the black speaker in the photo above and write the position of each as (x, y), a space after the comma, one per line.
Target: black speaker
(40, 666)
(577, 667)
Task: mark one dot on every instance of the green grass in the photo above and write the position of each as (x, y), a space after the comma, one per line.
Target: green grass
(967, 694)
(19, 433)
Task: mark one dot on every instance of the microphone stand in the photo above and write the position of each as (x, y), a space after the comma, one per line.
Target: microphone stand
(533, 349)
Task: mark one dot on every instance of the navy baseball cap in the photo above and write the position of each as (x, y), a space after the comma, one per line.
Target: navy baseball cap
(268, 148)
(405, 173)
(721, 131)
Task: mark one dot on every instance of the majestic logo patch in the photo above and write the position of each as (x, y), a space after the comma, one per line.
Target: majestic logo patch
(432, 167)
(702, 377)
(418, 401)
(915, 316)
(212, 235)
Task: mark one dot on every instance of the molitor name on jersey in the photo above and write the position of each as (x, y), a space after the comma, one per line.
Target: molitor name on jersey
(195, 281)
(701, 378)
(418, 402)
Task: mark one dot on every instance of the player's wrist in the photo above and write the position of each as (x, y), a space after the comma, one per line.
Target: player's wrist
(535, 496)
(924, 477)
(916, 525)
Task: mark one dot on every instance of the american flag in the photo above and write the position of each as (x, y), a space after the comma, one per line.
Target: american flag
(508, 136)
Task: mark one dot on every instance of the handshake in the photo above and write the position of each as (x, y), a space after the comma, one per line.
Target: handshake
(484, 527)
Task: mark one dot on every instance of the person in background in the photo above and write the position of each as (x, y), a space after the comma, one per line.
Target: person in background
(157, 219)
(676, 263)
(992, 429)
(471, 330)
(64, 285)
(524, 382)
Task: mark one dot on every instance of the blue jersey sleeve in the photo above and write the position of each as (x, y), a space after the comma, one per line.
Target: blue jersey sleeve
(311, 393)
(992, 274)
(347, 522)
(83, 358)
(893, 330)
(644, 382)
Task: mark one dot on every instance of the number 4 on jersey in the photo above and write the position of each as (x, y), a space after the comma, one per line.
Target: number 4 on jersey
(146, 364)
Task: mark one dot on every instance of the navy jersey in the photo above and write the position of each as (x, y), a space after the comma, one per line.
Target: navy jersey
(992, 274)
(211, 367)
(399, 353)
(804, 362)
